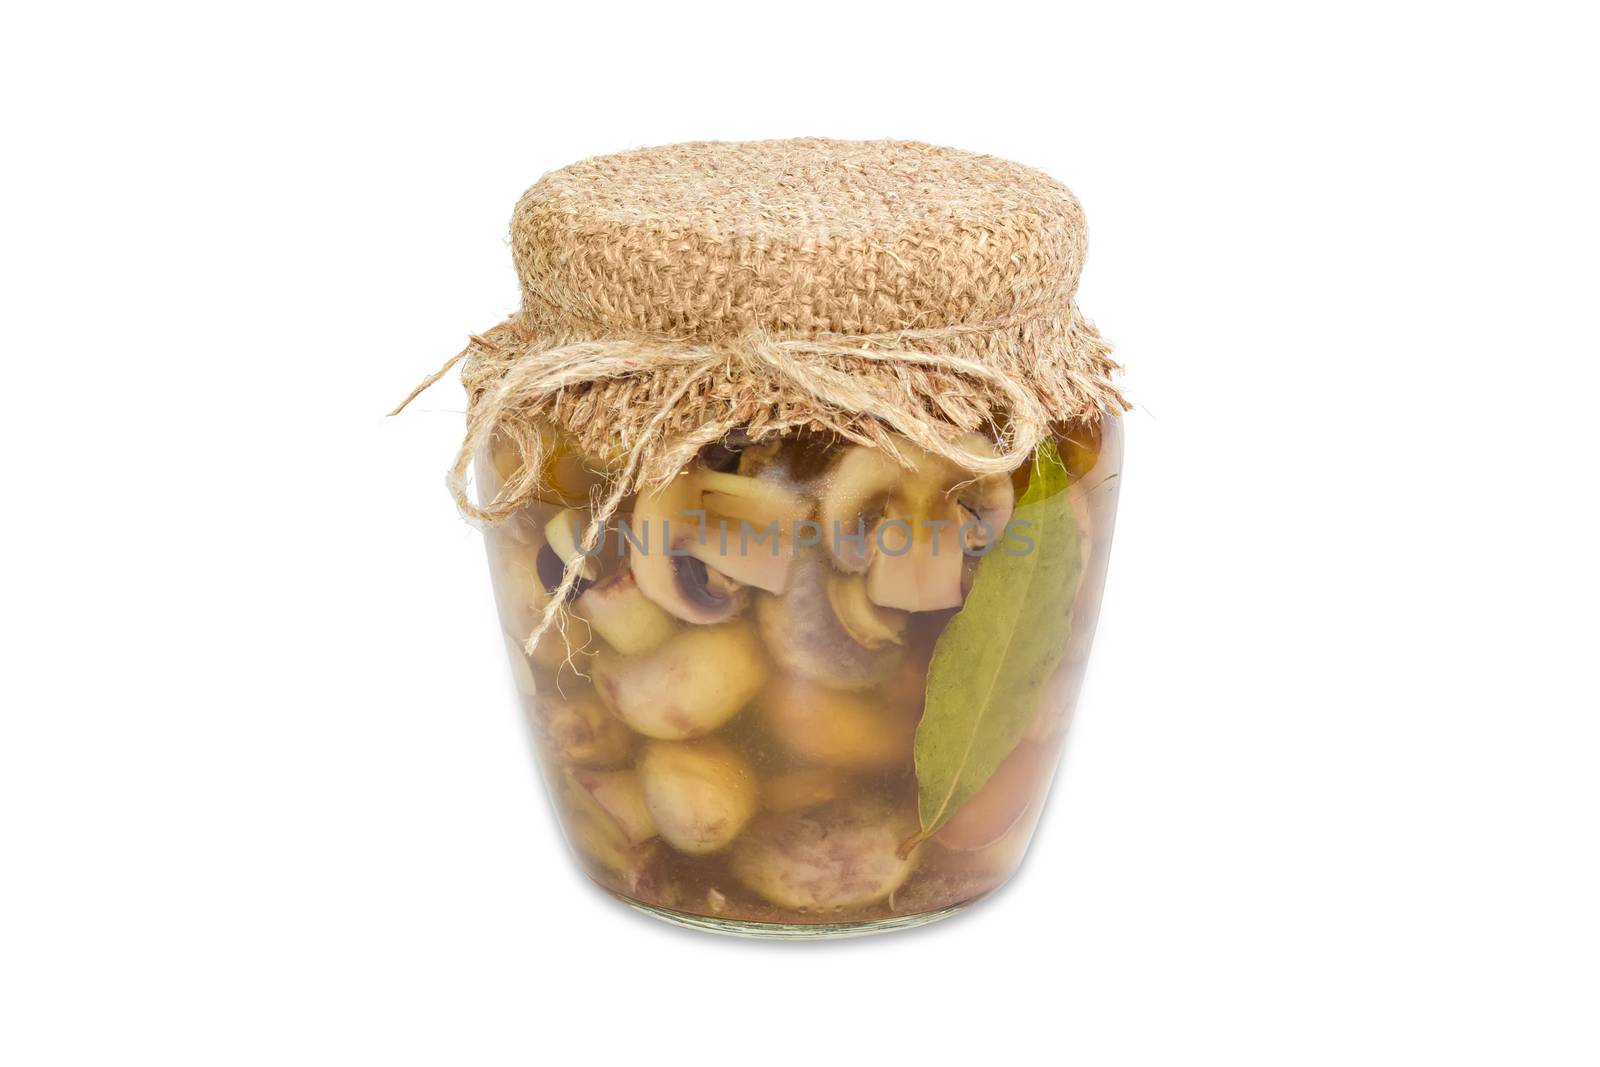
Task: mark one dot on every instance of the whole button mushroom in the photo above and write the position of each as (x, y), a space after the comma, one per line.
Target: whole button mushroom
(699, 794)
(623, 616)
(842, 855)
(700, 541)
(606, 841)
(840, 729)
(808, 787)
(621, 796)
(582, 733)
(689, 685)
(908, 531)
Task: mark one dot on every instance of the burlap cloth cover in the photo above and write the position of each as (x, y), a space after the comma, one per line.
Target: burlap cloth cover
(875, 290)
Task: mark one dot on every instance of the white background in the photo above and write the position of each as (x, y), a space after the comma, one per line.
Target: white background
(1331, 795)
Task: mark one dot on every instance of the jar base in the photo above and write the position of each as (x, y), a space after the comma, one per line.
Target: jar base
(793, 931)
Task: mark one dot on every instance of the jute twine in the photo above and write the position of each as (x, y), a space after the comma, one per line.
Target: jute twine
(881, 292)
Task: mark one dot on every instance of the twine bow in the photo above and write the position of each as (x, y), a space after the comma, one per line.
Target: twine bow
(854, 386)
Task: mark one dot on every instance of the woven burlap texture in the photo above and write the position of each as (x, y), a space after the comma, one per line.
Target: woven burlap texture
(875, 290)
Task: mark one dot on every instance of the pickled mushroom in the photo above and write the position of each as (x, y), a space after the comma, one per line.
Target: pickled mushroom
(807, 638)
(621, 796)
(909, 530)
(842, 855)
(835, 727)
(739, 530)
(750, 528)
(675, 581)
(562, 534)
(583, 733)
(520, 594)
(691, 684)
(807, 787)
(624, 617)
(869, 624)
(597, 835)
(700, 794)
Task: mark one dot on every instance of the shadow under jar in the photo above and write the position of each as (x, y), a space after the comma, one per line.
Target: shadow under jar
(806, 690)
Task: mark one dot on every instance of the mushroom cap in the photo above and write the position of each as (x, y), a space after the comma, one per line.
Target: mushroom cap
(686, 687)
(806, 638)
(623, 616)
(700, 794)
(841, 855)
(851, 731)
(581, 732)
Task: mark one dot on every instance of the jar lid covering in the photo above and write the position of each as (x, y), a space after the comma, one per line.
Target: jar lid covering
(883, 292)
(795, 237)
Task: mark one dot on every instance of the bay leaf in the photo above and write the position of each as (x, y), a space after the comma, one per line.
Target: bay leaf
(991, 663)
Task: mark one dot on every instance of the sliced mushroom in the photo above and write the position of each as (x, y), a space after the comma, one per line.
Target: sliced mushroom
(842, 855)
(858, 493)
(750, 527)
(700, 794)
(666, 525)
(688, 686)
(918, 563)
(739, 530)
(754, 500)
(986, 505)
(830, 726)
(624, 617)
(581, 732)
(806, 638)
(909, 530)
(563, 533)
(870, 625)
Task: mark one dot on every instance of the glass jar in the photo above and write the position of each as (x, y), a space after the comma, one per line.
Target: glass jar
(806, 690)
